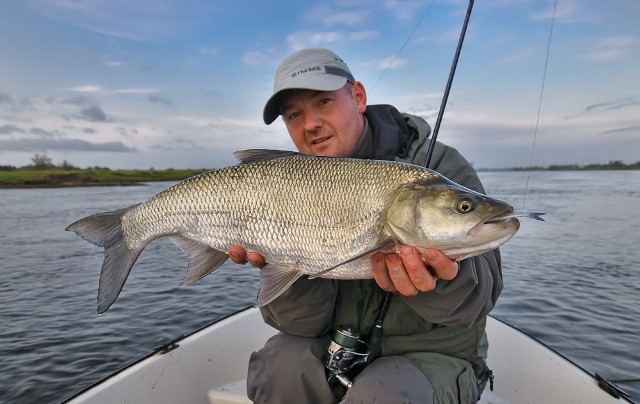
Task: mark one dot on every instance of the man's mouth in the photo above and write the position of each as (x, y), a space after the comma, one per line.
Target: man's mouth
(320, 140)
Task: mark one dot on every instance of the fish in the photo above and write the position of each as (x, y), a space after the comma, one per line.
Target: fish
(307, 215)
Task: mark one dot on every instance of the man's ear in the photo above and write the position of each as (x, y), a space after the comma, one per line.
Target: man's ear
(360, 96)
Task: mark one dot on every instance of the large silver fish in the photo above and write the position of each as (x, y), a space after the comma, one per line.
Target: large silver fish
(307, 215)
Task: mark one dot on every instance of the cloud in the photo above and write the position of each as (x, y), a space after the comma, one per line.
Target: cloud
(44, 144)
(93, 113)
(611, 48)
(9, 129)
(5, 98)
(87, 88)
(632, 129)
(137, 90)
(98, 89)
(41, 132)
(160, 100)
(209, 51)
(75, 100)
(255, 58)
(614, 104)
(390, 62)
(403, 10)
(206, 122)
(309, 39)
(143, 20)
(348, 18)
(78, 106)
(564, 12)
(517, 57)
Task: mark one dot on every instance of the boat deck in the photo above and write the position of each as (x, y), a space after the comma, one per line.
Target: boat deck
(210, 366)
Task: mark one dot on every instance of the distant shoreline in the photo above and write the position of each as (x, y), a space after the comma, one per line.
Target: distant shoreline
(519, 169)
(27, 177)
(612, 165)
(61, 178)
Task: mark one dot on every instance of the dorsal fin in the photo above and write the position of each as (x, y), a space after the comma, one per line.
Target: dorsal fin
(254, 155)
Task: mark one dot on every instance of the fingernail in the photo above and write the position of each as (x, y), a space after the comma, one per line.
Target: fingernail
(406, 251)
(431, 255)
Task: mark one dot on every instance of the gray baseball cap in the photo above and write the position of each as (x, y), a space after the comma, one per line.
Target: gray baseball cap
(309, 69)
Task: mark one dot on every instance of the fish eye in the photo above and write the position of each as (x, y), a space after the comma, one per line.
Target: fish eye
(465, 206)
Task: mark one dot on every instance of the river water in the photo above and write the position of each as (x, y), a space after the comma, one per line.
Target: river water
(572, 281)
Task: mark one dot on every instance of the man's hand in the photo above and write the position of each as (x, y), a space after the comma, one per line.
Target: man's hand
(239, 256)
(407, 274)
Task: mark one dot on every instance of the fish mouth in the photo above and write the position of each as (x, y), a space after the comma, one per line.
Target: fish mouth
(504, 219)
(487, 235)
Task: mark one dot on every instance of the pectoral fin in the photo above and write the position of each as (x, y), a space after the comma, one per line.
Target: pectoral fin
(203, 259)
(384, 243)
(274, 281)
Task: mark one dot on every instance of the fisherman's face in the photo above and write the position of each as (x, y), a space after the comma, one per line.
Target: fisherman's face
(325, 123)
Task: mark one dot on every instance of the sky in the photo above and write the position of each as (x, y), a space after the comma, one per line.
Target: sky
(181, 84)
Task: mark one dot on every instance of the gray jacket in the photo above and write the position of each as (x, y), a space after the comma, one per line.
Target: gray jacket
(449, 319)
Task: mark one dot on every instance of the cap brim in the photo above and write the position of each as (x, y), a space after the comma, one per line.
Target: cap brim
(319, 82)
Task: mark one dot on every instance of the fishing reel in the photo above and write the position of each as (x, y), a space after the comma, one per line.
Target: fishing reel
(347, 356)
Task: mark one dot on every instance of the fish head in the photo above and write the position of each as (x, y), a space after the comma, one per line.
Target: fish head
(456, 220)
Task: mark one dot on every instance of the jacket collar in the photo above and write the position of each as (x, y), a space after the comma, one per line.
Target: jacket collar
(385, 136)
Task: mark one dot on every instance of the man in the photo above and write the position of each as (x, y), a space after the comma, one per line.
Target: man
(433, 347)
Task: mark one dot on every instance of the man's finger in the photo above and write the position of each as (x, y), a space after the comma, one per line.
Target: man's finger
(238, 255)
(257, 260)
(380, 273)
(399, 275)
(444, 267)
(421, 278)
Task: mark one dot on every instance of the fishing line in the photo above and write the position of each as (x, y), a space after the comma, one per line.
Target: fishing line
(544, 79)
(402, 47)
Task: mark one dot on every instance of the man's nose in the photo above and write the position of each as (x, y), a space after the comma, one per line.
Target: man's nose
(312, 121)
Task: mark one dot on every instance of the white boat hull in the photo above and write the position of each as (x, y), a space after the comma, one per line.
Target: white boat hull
(210, 366)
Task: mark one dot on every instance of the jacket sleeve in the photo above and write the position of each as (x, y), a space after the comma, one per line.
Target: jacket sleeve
(305, 309)
(472, 294)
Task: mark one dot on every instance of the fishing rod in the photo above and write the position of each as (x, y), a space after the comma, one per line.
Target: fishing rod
(376, 334)
(447, 89)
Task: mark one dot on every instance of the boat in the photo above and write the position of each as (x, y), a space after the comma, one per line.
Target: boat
(210, 365)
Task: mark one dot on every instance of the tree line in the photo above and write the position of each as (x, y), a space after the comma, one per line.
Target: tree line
(44, 162)
(611, 165)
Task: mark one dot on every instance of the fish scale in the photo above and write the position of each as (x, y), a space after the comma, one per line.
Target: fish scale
(306, 215)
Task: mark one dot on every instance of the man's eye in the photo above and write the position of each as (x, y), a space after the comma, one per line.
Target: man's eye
(325, 101)
(293, 115)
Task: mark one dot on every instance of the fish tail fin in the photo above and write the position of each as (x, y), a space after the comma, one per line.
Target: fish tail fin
(105, 230)
(203, 259)
(274, 281)
(536, 215)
